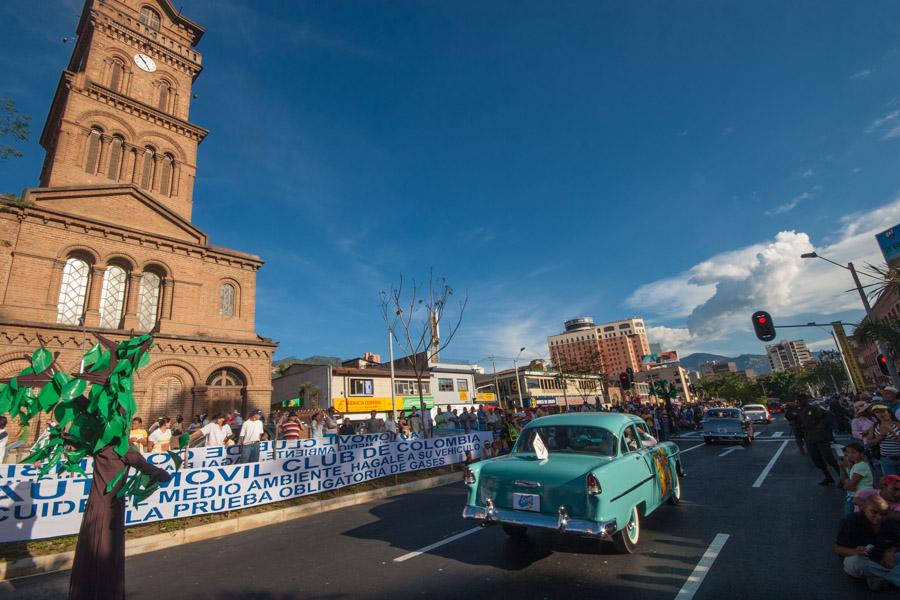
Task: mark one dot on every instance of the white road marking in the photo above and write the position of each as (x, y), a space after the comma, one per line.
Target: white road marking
(431, 547)
(777, 434)
(730, 450)
(694, 580)
(765, 472)
(691, 448)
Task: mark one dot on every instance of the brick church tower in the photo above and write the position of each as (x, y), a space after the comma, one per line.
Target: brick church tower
(106, 243)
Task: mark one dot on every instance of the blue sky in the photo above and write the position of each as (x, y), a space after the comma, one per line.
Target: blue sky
(667, 160)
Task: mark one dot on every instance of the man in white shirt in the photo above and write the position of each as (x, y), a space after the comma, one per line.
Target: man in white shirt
(331, 426)
(216, 432)
(251, 431)
(390, 425)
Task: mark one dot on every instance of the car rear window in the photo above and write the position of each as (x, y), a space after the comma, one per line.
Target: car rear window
(568, 439)
(754, 407)
(723, 414)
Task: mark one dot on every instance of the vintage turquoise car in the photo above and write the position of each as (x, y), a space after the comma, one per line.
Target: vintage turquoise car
(591, 474)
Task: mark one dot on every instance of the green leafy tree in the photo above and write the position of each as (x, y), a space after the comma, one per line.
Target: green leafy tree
(14, 126)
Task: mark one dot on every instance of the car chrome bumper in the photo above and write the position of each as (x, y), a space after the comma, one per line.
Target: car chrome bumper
(725, 435)
(561, 522)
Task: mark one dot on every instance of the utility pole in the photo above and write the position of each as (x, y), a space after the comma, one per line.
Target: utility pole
(496, 384)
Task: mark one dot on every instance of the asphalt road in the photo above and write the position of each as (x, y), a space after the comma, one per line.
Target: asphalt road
(780, 529)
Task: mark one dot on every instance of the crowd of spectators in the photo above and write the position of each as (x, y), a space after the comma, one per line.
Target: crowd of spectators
(867, 470)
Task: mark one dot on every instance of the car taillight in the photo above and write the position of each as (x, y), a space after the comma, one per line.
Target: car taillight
(593, 485)
(468, 476)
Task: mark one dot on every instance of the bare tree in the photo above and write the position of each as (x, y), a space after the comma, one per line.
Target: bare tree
(413, 314)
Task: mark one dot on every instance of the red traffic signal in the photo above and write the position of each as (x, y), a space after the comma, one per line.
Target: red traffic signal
(625, 381)
(882, 364)
(763, 326)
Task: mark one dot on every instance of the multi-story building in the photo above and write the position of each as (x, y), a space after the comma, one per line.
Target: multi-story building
(610, 348)
(106, 245)
(789, 354)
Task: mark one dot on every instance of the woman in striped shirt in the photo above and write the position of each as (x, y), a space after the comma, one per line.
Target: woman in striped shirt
(886, 434)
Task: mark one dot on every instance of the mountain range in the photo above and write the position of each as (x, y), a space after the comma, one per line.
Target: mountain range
(757, 362)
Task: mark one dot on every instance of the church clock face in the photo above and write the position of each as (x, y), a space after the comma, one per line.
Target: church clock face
(144, 62)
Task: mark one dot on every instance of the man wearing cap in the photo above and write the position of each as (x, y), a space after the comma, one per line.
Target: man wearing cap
(251, 431)
(890, 398)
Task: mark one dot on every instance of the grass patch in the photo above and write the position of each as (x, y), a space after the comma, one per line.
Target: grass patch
(15, 550)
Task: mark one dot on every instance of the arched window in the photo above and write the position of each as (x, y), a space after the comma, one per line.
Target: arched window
(148, 300)
(115, 158)
(112, 297)
(167, 170)
(226, 300)
(95, 139)
(147, 169)
(163, 103)
(116, 74)
(150, 18)
(73, 291)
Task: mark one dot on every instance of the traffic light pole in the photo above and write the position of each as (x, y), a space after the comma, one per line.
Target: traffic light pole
(882, 347)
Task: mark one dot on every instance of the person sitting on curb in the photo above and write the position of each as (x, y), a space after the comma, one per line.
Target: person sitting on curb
(867, 543)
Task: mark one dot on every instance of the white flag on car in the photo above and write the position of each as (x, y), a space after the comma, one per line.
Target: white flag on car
(539, 448)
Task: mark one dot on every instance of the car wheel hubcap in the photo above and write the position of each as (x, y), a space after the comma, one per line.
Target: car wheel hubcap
(632, 526)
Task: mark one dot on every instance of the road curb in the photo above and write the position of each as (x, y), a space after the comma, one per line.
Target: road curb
(36, 565)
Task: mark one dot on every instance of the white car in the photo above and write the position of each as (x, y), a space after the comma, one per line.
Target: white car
(757, 413)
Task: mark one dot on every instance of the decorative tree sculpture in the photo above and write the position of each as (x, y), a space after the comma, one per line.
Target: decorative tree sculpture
(92, 414)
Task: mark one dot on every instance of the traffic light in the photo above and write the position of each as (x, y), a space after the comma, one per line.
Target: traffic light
(882, 364)
(630, 372)
(763, 326)
(624, 381)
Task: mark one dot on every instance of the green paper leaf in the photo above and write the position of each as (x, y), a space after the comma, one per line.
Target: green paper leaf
(143, 360)
(48, 397)
(143, 494)
(122, 446)
(102, 362)
(73, 389)
(64, 413)
(125, 384)
(60, 380)
(115, 480)
(184, 439)
(23, 434)
(41, 359)
(126, 401)
(91, 356)
(38, 454)
(176, 458)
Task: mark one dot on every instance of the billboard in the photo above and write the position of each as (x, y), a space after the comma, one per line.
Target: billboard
(889, 242)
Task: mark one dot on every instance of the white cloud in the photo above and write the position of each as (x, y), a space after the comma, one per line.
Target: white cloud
(861, 74)
(793, 202)
(823, 344)
(718, 294)
(877, 123)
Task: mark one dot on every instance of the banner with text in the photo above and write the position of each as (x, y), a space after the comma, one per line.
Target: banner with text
(35, 509)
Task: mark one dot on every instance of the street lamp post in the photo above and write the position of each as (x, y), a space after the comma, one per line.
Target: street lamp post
(518, 381)
(882, 347)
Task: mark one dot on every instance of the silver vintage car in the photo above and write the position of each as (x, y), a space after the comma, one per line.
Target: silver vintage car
(727, 424)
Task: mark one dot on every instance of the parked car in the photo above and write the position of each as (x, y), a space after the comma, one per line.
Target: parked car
(589, 474)
(727, 424)
(757, 413)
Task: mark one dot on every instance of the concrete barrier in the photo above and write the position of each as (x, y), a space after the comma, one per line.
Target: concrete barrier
(36, 565)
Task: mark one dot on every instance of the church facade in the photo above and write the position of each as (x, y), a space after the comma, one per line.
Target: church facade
(105, 244)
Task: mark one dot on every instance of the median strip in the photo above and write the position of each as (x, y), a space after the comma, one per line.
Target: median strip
(765, 472)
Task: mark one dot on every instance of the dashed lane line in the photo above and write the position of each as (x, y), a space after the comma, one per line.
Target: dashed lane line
(777, 434)
(431, 547)
(765, 472)
(695, 579)
(691, 448)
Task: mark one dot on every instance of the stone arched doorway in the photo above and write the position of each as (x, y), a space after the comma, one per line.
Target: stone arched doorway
(226, 391)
